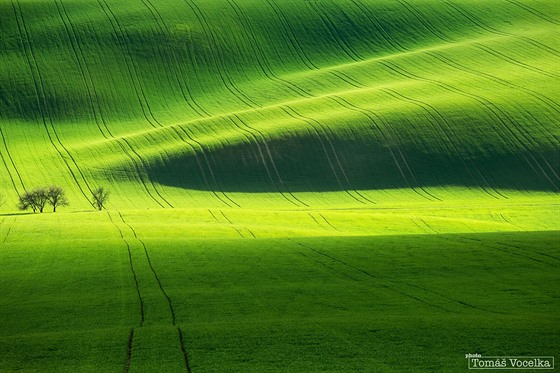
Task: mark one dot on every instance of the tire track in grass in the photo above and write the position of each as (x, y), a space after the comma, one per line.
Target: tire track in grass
(389, 139)
(333, 31)
(10, 175)
(138, 89)
(534, 12)
(180, 334)
(477, 22)
(417, 14)
(224, 198)
(91, 89)
(447, 131)
(523, 65)
(129, 351)
(314, 125)
(512, 122)
(9, 229)
(375, 21)
(176, 65)
(141, 300)
(504, 250)
(217, 62)
(171, 310)
(394, 286)
(282, 189)
(378, 280)
(299, 51)
(402, 72)
(262, 61)
(40, 98)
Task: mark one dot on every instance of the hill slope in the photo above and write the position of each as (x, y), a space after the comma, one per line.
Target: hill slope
(189, 103)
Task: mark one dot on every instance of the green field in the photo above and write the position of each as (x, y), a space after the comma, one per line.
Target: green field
(296, 186)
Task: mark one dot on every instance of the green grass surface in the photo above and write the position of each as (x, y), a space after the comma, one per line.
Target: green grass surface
(350, 185)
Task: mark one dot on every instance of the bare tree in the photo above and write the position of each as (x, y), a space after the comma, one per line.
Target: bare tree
(99, 197)
(35, 200)
(56, 197)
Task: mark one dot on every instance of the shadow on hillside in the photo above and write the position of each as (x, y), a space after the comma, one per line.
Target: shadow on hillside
(305, 164)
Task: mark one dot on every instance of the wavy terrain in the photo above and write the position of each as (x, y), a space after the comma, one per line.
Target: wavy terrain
(295, 185)
(186, 101)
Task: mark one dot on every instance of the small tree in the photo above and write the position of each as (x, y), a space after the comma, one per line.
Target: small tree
(99, 197)
(35, 200)
(56, 197)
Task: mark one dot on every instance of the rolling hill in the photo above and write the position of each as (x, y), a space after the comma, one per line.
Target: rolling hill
(162, 101)
(296, 185)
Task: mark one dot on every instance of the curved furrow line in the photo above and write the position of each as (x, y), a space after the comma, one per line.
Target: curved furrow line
(97, 110)
(13, 165)
(219, 64)
(192, 138)
(171, 310)
(129, 64)
(493, 109)
(231, 224)
(314, 124)
(328, 222)
(481, 243)
(41, 100)
(515, 62)
(527, 250)
(335, 35)
(482, 25)
(488, 104)
(8, 231)
(375, 21)
(450, 146)
(378, 279)
(262, 61)
(513, 123)
(129, 351)
(257, 141)
(347, 79)
(86, 76)
(408, 6)
(545, 100)
(390, 140)
(534, 12)
(252, 130)
(200, 165)
(184, 350)
(176, 66)
(139, 90)
(292, 37)
(141, 300)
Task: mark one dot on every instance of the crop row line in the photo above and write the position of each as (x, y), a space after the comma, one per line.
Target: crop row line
(162, 25)
(492, 108)
(390, 140)
(10, 175)
(40, 97)
(395, 286)
(315, 126)
(482, 25)
(140, 94)
(219, 64)
(251, 131)
(262, 61)
(92, 93)
(513, 123)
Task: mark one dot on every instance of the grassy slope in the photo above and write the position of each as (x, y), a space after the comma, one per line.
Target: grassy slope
(411, 117)
(164, 101)
(304, 295)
